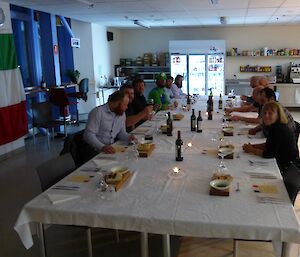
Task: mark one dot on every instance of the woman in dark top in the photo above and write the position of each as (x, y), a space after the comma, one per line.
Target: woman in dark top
(280, 143)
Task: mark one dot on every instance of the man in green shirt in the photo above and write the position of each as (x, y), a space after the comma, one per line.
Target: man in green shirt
(158, 93)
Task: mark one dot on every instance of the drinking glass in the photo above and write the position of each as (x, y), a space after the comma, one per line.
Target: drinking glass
(222, 164)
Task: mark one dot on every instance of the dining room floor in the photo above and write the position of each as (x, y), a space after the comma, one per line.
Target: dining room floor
(19, 184)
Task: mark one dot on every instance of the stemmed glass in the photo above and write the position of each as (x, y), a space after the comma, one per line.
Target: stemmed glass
(105, 191)
(222, 164)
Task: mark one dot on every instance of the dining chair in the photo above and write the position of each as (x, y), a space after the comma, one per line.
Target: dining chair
(291, 179)
(51, 172)
(59, 98)
(42, 117)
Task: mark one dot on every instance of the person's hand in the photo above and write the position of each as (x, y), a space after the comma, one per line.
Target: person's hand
(175, 104)
(147, 112)
(243, 97)
(156, 107)
(228, 110)
(236, 118)
(248, 148)
(252, 131)
(108, 149)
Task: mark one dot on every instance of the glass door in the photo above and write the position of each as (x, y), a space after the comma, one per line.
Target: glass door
(197, 77)
(215, 73)
(179, 67)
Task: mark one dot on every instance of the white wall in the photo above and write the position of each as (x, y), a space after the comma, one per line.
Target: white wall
(136, 42)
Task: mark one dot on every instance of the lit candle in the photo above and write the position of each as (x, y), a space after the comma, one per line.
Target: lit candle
(190, 144)
(206, 113)
(176, 170)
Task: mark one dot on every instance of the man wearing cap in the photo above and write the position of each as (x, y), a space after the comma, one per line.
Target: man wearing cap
(158, 93)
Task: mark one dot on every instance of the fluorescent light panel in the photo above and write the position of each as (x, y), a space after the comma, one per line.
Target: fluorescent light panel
(141, 24)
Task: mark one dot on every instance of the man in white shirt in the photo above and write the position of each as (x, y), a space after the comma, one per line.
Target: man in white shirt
(168, 90)
(106, 124)
(176, 87)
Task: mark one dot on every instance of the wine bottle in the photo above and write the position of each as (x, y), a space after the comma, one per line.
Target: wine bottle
(178, 145)
(169, 125)
(188, 102)
(209, 116)
(193, 120)
(199, 123)
(220, 102)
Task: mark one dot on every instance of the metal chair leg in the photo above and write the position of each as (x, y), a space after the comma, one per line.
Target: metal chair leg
(48, 139)
(89, 242)
(117, 235)
(33, 135)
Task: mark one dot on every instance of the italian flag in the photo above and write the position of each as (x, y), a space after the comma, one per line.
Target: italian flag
(13, 117)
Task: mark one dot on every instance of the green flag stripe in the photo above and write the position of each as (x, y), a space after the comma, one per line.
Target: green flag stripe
(8, 58)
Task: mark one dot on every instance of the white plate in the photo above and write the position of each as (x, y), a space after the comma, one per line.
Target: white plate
(225, 150)
(220, 184)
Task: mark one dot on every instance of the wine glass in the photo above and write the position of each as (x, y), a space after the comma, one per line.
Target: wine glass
(222, 164)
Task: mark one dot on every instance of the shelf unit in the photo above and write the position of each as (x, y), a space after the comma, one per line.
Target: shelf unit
(147, 73)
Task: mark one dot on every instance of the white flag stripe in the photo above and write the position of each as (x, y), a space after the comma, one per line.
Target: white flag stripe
(10, 90)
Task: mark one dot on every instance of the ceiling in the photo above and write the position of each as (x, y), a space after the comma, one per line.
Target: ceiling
(172, 13)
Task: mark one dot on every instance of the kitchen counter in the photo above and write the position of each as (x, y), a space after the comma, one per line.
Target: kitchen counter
(289, 94)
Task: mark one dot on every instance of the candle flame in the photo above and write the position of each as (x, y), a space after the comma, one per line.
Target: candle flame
(176, 169)
(189, 144)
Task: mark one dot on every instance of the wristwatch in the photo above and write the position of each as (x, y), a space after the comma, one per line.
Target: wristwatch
(2, 17)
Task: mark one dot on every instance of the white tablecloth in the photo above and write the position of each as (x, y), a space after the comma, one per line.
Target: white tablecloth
(153, 202)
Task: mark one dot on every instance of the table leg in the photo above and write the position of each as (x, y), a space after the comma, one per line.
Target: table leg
(166, 245)
(285, 249)
(41, 239)
(89, 241)
(144, 244)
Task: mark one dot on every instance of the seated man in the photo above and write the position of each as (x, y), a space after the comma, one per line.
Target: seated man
(133, 118)
(106, 124)
(248, 108)
(158, 93)
(267, 95)
(168, 90)
(139, 101)
(177, 87)
(254, 82)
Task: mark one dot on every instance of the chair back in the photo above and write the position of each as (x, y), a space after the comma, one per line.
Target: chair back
(52, 171)
(41, 114)
(291, 180)
(84, 85)
(58, 97)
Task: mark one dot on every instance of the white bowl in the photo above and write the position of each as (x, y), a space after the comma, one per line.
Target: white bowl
(225, 150)
(227, 130)
(220, 184)
(119, 169)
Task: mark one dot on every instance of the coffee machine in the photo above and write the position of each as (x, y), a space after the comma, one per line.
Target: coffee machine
(295, 72)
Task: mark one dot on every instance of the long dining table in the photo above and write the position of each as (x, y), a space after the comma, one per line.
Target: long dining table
(154, 201)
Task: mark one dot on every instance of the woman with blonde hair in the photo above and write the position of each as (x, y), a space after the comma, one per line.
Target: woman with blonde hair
(280, 142)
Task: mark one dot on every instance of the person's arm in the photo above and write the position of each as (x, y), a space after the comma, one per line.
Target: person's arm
(92, 128)
(253, 131)
(254, 149)
(143, 115)
(175, 91)
(123, 135)
(245, 108)
(245, 119)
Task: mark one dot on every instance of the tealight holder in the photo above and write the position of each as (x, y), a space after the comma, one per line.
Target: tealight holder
(176, 173)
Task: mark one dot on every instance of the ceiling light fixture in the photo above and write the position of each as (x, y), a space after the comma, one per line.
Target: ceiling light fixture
(214, 1)
(141, 24)
(223, 20)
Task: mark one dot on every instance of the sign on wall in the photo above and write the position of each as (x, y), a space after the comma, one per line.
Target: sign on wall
(75, 42)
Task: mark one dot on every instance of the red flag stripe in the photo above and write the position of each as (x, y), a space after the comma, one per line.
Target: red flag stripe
(13, 122)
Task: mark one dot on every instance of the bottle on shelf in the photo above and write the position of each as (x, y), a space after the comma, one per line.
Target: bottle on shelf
(178, 147)
(220, 102)
(199, 123)
(169, 125)
(193, 120)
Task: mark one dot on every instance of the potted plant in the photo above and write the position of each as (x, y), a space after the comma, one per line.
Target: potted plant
(73, 75)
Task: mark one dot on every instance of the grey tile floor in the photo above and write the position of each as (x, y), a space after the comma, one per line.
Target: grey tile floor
(19, 184)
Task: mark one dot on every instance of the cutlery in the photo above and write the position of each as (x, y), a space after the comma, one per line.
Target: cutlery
(258, 163)
(65, 188)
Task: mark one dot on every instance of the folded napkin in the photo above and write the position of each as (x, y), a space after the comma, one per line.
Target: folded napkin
(261, 173)
(101, 163)
(60, 198)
